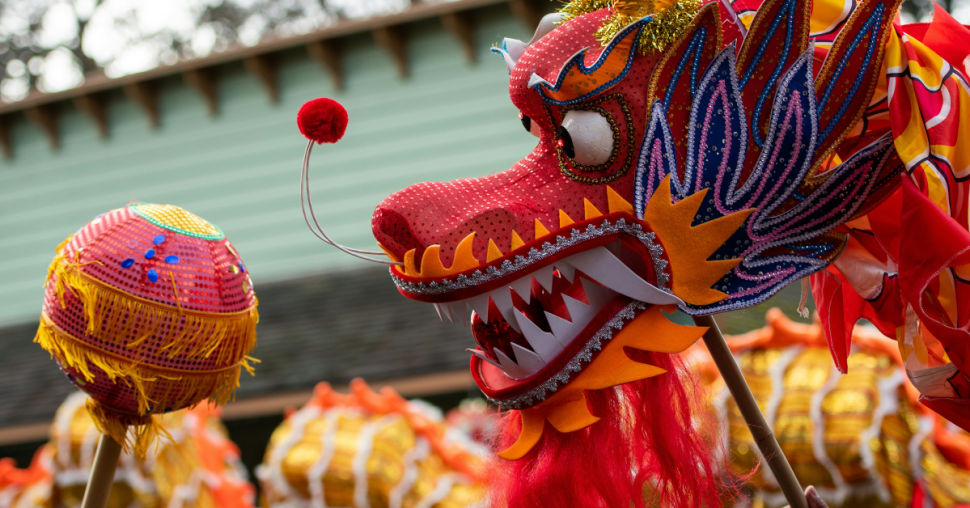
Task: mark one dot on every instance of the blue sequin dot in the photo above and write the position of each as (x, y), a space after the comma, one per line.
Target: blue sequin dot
(172, 260)
(241, 267)
(127, 263)
(153, 275)
(150, 253)
(159, 239)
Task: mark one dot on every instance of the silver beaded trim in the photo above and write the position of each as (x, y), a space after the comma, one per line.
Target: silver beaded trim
(548, 249)
(583, 358)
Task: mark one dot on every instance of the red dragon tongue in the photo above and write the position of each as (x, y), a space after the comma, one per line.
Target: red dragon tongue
(496, 334)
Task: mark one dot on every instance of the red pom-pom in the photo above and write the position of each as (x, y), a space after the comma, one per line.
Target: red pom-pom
(322, 120)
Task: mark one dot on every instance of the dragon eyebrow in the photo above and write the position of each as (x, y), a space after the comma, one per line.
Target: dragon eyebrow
(577, 83)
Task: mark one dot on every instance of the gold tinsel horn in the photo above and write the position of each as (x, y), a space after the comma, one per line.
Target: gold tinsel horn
(669, 19)
(632, 7)
(639, 8)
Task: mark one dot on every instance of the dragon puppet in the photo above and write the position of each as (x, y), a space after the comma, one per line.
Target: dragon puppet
(696, 156)
(367, 448)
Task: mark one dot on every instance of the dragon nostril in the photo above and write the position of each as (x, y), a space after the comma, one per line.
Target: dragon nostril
(565, 142)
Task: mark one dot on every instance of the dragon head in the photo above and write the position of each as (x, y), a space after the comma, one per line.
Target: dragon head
(685, 160)
(705, 176)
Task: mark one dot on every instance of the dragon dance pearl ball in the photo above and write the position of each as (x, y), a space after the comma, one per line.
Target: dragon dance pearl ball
(148, 309)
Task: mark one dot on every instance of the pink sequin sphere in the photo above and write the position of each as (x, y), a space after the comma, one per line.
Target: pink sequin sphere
(149, 309)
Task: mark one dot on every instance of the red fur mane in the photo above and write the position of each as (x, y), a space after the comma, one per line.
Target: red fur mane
(651, 447)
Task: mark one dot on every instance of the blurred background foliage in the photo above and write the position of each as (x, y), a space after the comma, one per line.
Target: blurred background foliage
(51, 45)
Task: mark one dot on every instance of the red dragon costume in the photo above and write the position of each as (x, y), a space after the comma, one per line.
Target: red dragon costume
(697, 157)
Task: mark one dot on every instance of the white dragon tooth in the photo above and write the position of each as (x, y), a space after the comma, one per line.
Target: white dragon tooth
(479, 304)
(483, 356)
(503, 300)
(544, 275)
(605, 268)
(564, 331)
(566, 270)
(597, 295)
(459, 312)
(580, 313)
(527, 360)
(446, 312)
(510, 368)
(523, 288)
(437, 308)
(543, 343)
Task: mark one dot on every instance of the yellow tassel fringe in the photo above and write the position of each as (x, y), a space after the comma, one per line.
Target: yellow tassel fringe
(135, 434)
(116, 317)
(157, 388)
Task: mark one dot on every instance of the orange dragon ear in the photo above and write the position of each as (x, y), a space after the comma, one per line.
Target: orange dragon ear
(689, 247)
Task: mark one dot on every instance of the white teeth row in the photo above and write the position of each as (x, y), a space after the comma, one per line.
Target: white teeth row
(547, 345)
(453, 312)
(599, 264)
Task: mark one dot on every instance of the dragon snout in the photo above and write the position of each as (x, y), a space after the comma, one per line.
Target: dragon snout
(445, 214)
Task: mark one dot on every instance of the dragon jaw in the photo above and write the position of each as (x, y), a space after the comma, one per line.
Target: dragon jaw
(538, 311)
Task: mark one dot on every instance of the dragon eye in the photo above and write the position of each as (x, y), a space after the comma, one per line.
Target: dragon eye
(586, 137)
(529, 125)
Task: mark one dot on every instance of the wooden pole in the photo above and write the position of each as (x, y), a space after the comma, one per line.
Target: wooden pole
(102, 473)
(759, 428)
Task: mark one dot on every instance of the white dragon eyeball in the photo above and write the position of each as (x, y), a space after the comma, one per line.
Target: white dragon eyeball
(587, 137)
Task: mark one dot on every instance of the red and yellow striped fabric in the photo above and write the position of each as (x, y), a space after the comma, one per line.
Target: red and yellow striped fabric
(907, 267)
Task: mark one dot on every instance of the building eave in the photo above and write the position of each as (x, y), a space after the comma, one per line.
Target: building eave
(42, 108)
(98, 82)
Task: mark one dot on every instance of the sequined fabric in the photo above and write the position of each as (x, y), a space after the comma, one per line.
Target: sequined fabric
(209, 274)
(149, 287)
(815, 407)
